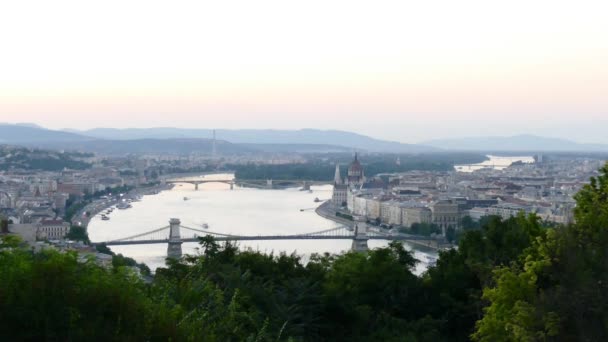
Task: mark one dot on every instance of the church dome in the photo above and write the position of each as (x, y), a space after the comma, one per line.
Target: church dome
(355, 167)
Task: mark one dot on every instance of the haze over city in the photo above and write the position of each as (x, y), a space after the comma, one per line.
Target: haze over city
(406, 72)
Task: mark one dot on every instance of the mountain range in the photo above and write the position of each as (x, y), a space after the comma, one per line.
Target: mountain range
(133, 140)
(334, 138)
(185, 141)
(524, 142)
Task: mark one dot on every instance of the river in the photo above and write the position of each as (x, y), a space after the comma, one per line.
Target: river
(242, 211)
(493, 162)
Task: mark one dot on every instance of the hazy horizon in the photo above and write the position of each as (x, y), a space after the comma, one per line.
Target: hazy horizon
(84, 130)
(407, 72)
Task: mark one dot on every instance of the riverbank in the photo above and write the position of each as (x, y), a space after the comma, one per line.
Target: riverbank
(99, 205)
(326, 211)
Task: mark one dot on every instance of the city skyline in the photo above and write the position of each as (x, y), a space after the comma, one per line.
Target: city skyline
(404, 72)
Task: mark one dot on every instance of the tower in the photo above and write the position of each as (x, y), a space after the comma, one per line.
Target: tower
(338, 196)
(355, 176)
(360, 238)
(174, 249)
(337, 177)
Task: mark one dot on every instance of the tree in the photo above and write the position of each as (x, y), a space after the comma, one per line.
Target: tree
(467, 223)
(450, 234)
(52, 296)
(558, 289)
(77, 233)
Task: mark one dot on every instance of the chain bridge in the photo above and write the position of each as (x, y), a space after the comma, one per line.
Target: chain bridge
(175, 234)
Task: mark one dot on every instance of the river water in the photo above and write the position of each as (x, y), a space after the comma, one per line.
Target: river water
(494, 162)
(243, 211)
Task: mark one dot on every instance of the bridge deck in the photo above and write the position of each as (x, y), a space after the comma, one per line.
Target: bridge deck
(268, 238)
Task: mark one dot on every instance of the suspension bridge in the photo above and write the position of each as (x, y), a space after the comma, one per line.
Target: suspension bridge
(175, 234)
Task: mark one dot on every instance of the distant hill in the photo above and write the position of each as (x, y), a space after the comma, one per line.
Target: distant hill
(348, 140)
(515, 143)
(15, 158)
(153, 146)
(184, 141)
(28, 134)
(297, 148)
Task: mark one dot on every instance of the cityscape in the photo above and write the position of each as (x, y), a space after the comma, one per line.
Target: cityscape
(43, 205)
(304, 171)
(136, 211)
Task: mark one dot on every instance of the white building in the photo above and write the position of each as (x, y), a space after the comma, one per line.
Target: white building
(52, 230)
(373, 207)
(411, 215)
(339, 195)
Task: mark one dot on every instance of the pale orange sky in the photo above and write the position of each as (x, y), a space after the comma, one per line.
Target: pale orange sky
(407, 71)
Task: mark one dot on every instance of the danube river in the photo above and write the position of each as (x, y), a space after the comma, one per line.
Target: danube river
(494, 162)
(241, 211)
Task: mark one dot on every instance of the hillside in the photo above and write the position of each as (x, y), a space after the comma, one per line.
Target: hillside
(153, 146)
(349, 140)
(28, 134)
(12, 158)
(515, 143)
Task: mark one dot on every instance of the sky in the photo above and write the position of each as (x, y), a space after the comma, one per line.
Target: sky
(402, 70)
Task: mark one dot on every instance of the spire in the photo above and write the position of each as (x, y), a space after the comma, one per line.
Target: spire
(355, 156)
(337, 178)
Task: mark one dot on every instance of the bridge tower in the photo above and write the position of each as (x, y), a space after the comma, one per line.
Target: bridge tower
(305, 186)
(196, 186)
(360, 239)
(174, 249)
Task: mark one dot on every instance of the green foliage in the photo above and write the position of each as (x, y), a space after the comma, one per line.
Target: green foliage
(345, 216)
(10, 241)
(73, 209)
(467, 223)
(52, 296)
(102, 248)
(558, 288)
(77, 233)
(36, 159)
(119, 260)
(424, 229)
(450, 234)
(319, 168)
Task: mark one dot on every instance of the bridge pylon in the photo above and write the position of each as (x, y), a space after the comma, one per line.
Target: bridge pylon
(360, 238)
(174, 248)
(305, 186)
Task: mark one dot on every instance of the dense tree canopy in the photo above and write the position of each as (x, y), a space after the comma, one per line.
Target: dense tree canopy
(558, 288)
